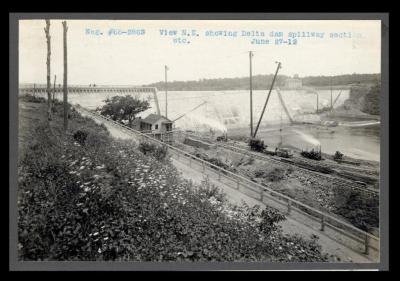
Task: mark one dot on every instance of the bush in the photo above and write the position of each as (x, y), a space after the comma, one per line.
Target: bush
(270, 217)
(210, 190)
(93, 139)
(257, 145)
(80, 136)
(215, 161)
(362, 211)
(157, 151)
(338, 155)
(314, 155)
(274, 175)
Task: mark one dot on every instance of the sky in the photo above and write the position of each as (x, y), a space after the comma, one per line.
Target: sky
(111, 59)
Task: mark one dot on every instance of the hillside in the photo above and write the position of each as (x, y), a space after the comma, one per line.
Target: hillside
(363, 98)
(90, 197)
(261, 82)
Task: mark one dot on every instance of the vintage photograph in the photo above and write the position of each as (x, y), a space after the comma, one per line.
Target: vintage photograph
(199, 140)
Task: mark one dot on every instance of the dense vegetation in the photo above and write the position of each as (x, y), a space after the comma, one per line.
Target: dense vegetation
(89, 197)
(372, 100)
(261, 82)
(358, 208)
(364, 98)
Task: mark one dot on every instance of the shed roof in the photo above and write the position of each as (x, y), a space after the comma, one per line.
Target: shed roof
(153, 118)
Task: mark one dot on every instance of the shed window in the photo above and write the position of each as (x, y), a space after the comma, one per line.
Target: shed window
(156, 126)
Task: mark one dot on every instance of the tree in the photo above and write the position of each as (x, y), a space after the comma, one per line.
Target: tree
(372, 100)
(48, 37)
(124, 108)
(65, 83)
(54, 89)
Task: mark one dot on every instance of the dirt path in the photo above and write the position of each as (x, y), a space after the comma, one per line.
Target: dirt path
(338, 251)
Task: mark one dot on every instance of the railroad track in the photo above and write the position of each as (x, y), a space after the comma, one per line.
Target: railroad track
(371, 172)
(283, 162)
(334, 181)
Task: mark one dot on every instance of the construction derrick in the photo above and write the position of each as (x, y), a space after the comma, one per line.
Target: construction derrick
(193, 109)
(156, 101)
(266, 102)
(284, 105)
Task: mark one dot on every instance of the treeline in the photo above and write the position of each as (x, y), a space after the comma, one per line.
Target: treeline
(347, 79)
(261, 82)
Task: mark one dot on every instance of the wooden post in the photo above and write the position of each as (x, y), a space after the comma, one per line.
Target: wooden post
(48, 38)
(331, 95)
(65, 29)
(289, 207)
(219, 175)
(166, 92)
(251, 95)
(366, 244)
(237, 184)
(322, 223)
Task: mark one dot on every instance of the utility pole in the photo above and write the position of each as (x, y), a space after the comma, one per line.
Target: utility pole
(251, 94)
(266, 102)
(48, 38)
(331, 95)
(166, 93)
(65, 90)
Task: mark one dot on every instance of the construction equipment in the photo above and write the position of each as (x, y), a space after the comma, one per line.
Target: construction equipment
(154, 90)
(193, 109)
(283, 152)
(222, 138)
(266, 102)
